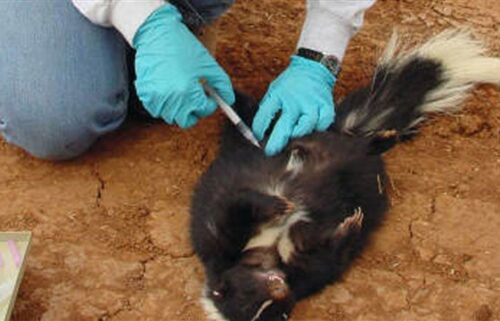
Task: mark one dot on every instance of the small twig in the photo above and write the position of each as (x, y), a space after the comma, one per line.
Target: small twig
(379, 183)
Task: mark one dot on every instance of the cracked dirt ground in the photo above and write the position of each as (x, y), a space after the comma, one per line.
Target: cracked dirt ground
(110, 229)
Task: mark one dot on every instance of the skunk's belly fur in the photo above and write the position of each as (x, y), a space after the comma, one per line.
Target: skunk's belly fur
(273, 230)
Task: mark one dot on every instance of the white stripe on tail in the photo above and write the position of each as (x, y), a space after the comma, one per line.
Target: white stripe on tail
(463, 61)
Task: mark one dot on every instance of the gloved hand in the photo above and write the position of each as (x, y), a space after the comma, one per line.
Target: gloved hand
(303, 93)
(169, 63)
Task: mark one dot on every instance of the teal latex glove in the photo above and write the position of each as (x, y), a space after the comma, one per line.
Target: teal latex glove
(169, 63)
(303, 94)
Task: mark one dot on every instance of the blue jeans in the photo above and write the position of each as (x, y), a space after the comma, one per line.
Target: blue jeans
(63, 80)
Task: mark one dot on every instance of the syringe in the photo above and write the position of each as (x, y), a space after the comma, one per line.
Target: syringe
(231, 114)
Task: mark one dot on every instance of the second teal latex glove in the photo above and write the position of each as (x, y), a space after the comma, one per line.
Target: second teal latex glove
(303, 94)
(169, 63)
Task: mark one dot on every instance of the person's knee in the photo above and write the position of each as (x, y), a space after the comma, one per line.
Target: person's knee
(63, 132)
(49, 139)
(64, 144)
(58, 99)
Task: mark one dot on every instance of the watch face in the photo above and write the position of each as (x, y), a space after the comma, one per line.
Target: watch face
(331, 63)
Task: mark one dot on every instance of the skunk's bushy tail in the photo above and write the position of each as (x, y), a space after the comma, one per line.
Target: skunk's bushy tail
(408, 84)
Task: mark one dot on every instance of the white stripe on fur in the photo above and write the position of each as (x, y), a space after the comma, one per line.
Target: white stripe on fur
(210, 309)
(271, 233)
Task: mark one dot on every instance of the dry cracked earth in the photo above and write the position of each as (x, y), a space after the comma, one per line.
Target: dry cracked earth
(110, 228)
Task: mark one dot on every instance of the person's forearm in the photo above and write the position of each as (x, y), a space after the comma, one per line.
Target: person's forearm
(330, 24)
(125, 15)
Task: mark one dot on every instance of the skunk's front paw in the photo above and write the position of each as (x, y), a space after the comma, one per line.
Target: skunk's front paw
(350, 225)
(272, 207)
(278, 207)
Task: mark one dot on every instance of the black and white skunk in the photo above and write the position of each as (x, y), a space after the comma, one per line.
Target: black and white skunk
(273, 230)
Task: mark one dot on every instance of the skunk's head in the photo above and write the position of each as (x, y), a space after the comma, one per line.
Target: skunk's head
(246, 293)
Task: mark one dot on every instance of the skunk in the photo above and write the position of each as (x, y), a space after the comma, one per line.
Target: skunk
(271, 231)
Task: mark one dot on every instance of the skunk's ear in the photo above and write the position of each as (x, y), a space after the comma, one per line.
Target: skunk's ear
(277, 287)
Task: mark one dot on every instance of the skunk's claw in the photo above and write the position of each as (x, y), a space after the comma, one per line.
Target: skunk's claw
(350, 224)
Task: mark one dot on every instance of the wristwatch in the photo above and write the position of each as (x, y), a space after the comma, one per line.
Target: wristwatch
(329, 61)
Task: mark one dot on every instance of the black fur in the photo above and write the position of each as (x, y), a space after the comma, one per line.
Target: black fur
(342, 172)
(339, 177)
(401, 90)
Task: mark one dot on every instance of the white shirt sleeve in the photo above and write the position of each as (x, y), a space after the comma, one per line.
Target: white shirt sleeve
(330, 24)
(125, 15)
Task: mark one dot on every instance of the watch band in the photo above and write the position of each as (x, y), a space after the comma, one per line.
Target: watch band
(329, 61)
